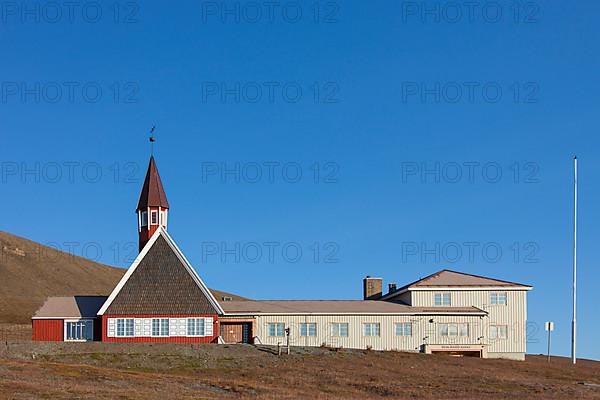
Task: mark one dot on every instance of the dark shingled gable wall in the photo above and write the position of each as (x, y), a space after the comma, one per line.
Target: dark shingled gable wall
(160, 285)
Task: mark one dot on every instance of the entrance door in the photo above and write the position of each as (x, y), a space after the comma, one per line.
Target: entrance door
(246, 332)
(236, 332)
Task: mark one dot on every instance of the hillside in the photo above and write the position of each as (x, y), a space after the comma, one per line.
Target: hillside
(143, 371)
(30, 272)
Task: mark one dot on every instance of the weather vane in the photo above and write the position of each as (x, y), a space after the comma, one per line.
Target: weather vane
(152, 139)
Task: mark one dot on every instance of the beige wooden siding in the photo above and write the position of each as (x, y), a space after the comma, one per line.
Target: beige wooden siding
(513, 314)
(423, 331)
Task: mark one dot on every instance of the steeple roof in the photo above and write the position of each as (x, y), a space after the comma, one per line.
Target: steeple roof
(153, 193)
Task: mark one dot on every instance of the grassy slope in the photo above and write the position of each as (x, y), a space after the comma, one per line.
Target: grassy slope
(43, 271)
(210, 371)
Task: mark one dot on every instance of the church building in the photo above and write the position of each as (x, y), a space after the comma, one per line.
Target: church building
(162, 299)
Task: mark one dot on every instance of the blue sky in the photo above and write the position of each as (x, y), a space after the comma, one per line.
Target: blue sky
(360, 98)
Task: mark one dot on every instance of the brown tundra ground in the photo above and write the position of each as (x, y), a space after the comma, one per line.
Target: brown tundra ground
(37, 370)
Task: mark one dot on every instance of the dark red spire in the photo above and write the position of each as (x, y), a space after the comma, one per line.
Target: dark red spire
(153, 193)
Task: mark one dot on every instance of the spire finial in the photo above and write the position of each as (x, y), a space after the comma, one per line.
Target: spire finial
(152, 139)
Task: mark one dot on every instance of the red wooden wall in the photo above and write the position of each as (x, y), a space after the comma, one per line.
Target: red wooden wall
(172, 339)
(49, 330)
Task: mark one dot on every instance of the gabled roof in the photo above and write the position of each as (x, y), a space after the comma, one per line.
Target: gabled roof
(453, 279)
(153, 194)
(370, 307)
(70, 307)
(161, 281)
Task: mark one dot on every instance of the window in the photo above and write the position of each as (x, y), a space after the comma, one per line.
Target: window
(442, 299)
(79, 330)
(308, 329)
(498, 331)
(160, 327)
(498, 298)
(145, 218)
(371, 329)
(154, 217)
(125, 327)
(163, 218)
(339, 329)
(454, 330)
(276, 329)
(404, 329)
(195, 326)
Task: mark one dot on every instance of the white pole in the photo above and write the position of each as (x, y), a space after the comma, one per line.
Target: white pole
(549, 345)
(574, 323)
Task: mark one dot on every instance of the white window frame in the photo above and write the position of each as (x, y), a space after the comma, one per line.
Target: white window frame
(403, 329)
(197, 325)
(164, 330)
(154, 217)
(144, 219)
(495, 298)
(456, 327)
(308, 329)
(442, 297)
(336, 329)
(66, 323)
(278, 331)
(125, 327)
(497, 330)
(371, 329)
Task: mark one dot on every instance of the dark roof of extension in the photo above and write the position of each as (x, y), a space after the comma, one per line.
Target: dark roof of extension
(70, 307)
(153, 194)
(336, 307)
(449, 278)
(160, 284)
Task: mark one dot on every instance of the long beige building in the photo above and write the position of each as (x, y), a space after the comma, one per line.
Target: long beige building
(448, 311)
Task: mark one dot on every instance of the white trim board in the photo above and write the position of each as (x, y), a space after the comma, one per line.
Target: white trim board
(433, 314)
(161, 232)
(470, 288)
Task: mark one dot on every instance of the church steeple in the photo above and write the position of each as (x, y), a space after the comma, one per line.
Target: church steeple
(153, 207)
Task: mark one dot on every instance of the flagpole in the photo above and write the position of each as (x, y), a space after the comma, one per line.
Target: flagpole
(574, 322)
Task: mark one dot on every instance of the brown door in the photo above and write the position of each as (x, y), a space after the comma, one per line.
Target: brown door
(236, 332)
